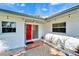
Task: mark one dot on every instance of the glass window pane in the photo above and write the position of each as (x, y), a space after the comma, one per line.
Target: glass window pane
(35, 31)
(59, 27)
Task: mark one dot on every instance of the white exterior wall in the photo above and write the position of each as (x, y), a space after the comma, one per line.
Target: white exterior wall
(72, 24)
(12, 40)
(72, 31)
(15, 40)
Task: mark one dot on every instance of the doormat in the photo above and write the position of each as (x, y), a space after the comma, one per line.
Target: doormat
(29, 42)
(34, 45)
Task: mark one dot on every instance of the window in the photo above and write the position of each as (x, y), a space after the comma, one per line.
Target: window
(8, 27)
(59, 27)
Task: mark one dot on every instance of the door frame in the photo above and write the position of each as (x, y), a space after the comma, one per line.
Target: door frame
(31, 31)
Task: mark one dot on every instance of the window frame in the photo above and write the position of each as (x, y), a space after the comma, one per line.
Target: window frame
(59, 27)
(8, 29)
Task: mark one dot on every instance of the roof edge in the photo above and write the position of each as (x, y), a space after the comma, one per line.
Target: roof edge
(57, 14)
(63, 12)
(21, 14)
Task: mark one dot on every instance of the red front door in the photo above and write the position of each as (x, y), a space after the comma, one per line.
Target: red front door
(28, 31)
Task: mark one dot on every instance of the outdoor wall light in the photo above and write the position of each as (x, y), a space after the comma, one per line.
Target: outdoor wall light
(69, 15)
(7, 17)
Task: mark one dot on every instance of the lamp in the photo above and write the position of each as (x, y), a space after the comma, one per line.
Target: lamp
(7, 17)
(69, 15)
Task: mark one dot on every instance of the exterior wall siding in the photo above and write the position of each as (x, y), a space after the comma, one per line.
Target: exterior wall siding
(72, 24)
(72, 31)
(12, 40)
(15, 40)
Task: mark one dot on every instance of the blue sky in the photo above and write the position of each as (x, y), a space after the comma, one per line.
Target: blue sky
(44, 9)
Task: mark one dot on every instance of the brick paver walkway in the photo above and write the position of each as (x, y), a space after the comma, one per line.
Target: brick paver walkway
(38, 48)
